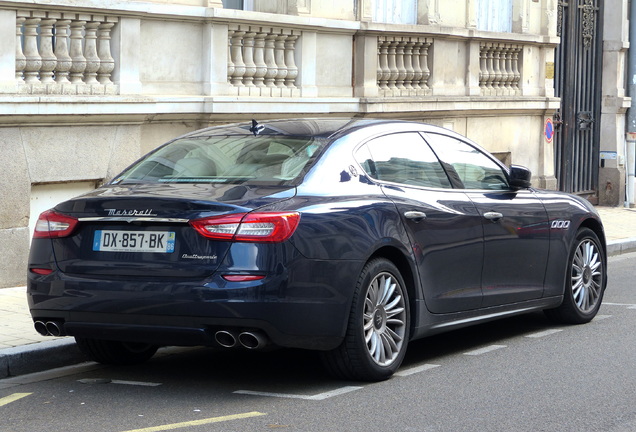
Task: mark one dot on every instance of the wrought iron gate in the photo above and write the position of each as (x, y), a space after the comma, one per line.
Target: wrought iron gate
(578, 84)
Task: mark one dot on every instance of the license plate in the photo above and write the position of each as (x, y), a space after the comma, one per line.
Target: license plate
(134, 241)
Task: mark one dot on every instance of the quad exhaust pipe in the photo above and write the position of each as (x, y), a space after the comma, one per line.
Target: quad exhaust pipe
(50, 328)
(251, 340)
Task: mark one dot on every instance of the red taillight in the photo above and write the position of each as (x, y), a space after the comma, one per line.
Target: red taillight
(264, 227)
(54, 225)
(41, 271)
(242, 278)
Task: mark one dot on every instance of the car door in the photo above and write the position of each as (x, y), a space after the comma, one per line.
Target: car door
(443, 224)
(515, 223)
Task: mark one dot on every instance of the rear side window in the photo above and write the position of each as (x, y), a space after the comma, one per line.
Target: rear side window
(467, 164)
(402, 158)
(266, 159)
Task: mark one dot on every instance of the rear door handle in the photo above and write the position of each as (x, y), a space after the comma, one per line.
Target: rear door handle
(493, 216)
(415, 216)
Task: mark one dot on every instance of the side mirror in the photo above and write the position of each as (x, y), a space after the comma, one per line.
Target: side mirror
(520, 177)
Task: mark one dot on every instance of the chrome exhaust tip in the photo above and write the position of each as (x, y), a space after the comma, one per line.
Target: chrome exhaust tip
(253, 340)
(55, 328)
(225, 338)
(40, 327)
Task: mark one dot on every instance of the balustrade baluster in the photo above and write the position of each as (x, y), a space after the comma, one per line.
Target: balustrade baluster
(418, 74)
(496, 63)
(515, 67)
(33, 61)
(20, 59)
(49, 61)
(489, 66)
(77, 56)
(259, 59)
(292, 69)
(64, 61)
(270, 60)
(399, 61)
(508, 75)
(426, 71)
(230, 63)
(106, 61)
(394, 73)
(279, 57)
(408, 65)
(383, 66)
(90, 53)
(237, 58)
(248, 58)
(483, 70)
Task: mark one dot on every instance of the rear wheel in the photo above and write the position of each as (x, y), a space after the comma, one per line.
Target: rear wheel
(585, 281)
(115, 352)
(378, 328)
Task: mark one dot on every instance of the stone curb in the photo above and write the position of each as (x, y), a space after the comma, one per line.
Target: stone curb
(619, 247)
(40, 356)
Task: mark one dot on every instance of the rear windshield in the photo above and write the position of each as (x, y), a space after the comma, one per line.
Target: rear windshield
(266, 159)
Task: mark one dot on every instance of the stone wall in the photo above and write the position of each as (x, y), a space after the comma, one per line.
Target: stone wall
(155, 70)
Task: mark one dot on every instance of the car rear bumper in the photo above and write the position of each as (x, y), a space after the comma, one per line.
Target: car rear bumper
(293, 309)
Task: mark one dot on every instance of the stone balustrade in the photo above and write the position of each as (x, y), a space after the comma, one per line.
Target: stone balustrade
(403, 68)
(499, 73)
(261, 61)
(64, 53)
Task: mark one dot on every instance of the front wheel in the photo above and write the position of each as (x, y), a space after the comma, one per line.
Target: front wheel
(585, 281)
(378, 328)
(115, 352)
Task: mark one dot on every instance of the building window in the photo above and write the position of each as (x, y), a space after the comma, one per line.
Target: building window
(494, 15)
(238, 4)
(395, 11)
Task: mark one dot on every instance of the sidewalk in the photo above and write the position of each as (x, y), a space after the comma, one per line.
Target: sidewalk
(23, 350)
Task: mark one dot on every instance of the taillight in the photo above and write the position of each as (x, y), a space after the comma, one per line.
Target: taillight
(54, 225)
(264, 227)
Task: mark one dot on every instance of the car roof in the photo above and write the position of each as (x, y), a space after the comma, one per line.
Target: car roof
(329, 127)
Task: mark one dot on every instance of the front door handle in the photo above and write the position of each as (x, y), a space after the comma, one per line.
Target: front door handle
(493, 216)
(415, 216)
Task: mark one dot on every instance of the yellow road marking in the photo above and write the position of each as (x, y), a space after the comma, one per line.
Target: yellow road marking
(199, 422)
(12, 398)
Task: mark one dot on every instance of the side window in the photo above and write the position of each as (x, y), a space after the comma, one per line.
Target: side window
(402, 158)
(468, 164)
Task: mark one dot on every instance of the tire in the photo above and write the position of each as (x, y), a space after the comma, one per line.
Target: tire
(585, 282)
(378, 329)
(114, 352)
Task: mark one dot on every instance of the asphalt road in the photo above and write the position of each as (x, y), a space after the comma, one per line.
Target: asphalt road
(519, 374)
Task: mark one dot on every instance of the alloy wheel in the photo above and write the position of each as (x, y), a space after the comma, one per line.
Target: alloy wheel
(384, 319)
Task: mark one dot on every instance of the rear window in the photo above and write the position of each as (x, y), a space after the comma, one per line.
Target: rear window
(266, 159)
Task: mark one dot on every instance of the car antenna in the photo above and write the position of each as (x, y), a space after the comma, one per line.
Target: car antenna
(256, 128)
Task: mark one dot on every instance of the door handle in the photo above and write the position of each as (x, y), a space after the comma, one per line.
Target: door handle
(415, 216)
(493, 216)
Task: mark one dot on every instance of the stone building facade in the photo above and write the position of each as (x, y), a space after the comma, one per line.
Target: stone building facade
(88, 86)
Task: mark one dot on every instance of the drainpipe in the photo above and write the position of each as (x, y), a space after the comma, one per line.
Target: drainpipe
(631, 112)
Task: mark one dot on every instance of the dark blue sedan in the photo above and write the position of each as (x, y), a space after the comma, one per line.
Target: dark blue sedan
(346, 236)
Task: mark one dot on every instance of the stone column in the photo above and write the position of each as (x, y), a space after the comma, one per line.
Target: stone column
(290, 62)
(259, 59)
(31, 53)
(90, 53)
(106, 61)
(64, 61)
(270, 60)
(79, 61)
(279, 58)
(20, 59)
(49, 61)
